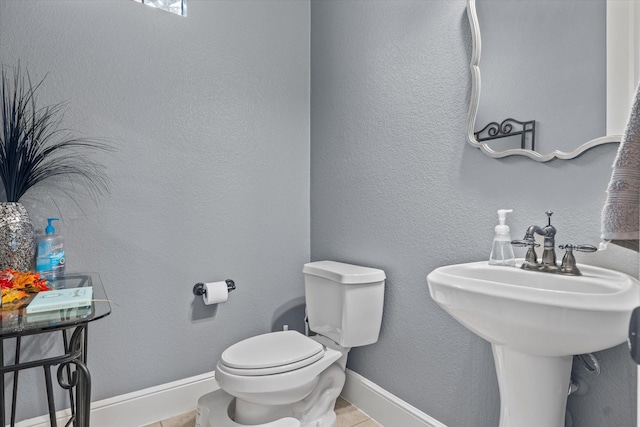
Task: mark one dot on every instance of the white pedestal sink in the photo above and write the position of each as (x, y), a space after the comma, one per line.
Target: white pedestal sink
(535, 323)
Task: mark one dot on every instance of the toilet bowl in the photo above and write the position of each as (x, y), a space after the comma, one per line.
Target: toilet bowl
(282, 378)
(278, 368)
(283, 374)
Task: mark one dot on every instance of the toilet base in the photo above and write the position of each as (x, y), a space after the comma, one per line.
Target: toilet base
(215, 409)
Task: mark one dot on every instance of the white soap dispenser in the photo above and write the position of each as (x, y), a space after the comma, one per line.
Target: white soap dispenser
(502, 251)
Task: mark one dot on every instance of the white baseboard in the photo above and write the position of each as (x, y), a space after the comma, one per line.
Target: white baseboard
(382, 406)
(141, 407)
(153, 404)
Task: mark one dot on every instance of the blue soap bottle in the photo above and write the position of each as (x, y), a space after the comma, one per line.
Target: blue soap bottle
(50, 260)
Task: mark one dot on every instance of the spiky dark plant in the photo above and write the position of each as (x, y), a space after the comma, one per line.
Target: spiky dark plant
(33, 145)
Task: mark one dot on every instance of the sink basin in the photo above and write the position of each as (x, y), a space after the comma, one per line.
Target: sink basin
(535, 323)
(538, 313)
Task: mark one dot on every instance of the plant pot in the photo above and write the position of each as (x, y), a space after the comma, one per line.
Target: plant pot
(17, 237)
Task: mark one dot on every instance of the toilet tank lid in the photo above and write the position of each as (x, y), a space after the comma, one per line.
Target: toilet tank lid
(347, 274)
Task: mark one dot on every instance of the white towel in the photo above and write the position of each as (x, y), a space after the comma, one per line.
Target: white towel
(621, 212)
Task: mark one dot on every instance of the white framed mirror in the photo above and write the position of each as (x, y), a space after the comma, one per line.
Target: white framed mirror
(549, 86)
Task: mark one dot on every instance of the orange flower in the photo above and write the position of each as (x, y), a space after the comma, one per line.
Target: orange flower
(25, 281)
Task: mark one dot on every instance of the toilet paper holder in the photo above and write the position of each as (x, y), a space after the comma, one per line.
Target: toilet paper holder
(199, 289)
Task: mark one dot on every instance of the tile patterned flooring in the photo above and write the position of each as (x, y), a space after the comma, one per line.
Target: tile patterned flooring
(348, 416)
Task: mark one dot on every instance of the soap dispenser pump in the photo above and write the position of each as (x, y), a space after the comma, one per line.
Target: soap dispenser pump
(502, 251)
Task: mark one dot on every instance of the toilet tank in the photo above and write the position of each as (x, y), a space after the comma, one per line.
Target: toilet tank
(344, 301)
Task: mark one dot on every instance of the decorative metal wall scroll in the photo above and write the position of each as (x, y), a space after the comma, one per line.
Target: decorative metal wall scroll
(510, 127)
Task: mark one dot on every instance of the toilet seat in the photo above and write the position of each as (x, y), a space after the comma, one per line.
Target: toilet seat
(289, 381)
(271, 353)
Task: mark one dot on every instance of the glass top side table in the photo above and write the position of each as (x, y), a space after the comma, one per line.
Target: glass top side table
(72, 372)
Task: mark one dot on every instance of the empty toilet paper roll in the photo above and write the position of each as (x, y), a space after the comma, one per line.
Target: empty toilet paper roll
(215, 292)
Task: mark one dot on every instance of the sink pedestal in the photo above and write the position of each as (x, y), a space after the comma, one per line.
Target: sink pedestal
(535, 322)
(533, 389)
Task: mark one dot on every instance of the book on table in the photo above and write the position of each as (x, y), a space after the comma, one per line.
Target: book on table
(60, 299)
(59, 315)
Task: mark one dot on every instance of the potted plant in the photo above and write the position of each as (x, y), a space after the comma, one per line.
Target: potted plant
(34, 147)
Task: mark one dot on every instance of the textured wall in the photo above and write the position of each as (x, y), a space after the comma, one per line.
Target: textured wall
(209, 116)
(395, 185)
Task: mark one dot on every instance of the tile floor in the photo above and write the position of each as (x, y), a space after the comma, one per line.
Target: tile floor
(348, 416)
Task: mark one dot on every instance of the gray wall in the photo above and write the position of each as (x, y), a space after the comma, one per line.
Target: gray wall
(209, 116)
(395, 185)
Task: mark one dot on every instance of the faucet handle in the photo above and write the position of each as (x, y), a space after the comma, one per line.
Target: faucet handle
(531, 258)
(578, 248)
(525, 243)
(569, 261)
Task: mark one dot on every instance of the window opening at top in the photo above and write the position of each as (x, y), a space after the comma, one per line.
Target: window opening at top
(178, 7)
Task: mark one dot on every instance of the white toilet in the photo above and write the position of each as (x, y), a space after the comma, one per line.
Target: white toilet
(286, 379)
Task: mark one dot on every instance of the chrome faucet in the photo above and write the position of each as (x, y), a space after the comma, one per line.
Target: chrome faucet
(549, 263)
(549, 252)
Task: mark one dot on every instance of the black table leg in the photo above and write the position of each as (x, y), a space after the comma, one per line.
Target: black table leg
(50, 402)
(14, 396)
(2, 421)
(76, 379)
(79, 378)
